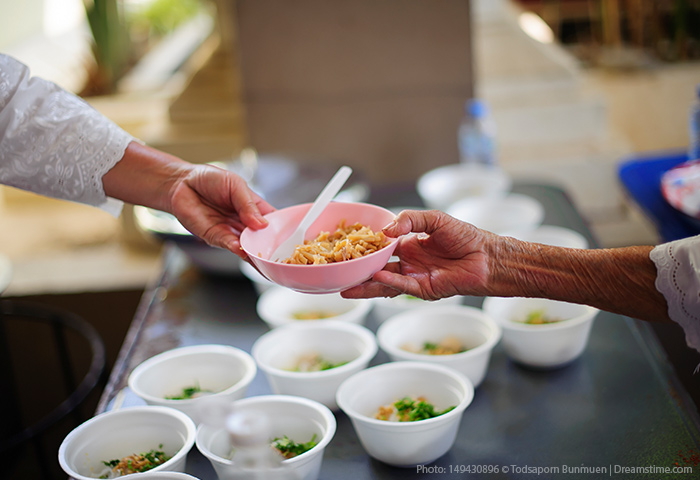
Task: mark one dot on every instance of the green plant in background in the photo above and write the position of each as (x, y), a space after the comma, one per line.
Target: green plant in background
(111, 46)
(124, 31)
(161, 17)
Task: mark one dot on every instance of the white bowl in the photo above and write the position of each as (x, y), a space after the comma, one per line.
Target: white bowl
(260, 283)
(222, 369)
(278, 352)
(472, 327)
(405, 444)
(542, 346)
(445, 185)
(297, 418)
(513, 214)
(556, 236)
(119, 433)
(385, 307)
(278, 306)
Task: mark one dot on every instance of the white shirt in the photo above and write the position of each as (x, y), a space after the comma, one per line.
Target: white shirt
(678, 279)
(52, 142)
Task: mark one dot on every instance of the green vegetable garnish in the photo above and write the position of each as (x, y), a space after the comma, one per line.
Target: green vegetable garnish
(187, 393)
(326, 365)
(410, 410)
(410, 297)
(137, 463)
(314, 363)
(539, 317)
(289, 449)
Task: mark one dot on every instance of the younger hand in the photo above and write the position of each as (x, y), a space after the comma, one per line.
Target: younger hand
(217, 205)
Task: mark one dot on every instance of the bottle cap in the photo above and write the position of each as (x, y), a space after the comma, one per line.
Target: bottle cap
(476, 108)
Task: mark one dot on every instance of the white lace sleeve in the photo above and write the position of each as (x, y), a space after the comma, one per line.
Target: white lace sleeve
(678, 279)
(52, 142)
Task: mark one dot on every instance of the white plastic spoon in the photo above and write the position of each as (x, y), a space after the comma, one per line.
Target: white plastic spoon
(286, 248)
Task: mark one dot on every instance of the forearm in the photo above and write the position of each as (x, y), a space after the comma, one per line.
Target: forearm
(52, 142)
(145, 176)
(619, 280)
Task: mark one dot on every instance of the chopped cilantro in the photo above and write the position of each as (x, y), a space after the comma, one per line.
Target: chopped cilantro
(288, 448)
(410, 410)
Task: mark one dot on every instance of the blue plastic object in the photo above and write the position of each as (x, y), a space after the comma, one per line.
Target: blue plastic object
(641, 177)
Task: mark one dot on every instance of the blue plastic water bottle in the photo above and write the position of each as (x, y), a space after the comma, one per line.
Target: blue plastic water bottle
(477, 135)
(694, 128)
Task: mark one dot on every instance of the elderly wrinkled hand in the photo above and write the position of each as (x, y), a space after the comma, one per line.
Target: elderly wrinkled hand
(443, 257)
(449, 257)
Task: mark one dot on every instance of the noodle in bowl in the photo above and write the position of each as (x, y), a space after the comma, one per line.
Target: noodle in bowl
(321, 278)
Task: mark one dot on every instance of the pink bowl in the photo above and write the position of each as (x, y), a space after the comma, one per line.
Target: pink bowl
(328, 278)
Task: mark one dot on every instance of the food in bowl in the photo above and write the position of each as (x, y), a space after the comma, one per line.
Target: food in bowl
(266, 418)
(289, 448)
(346, 243)
(410, 409)
(182, 377)
(194, 391)
(135, 463)
(546, 345)
(475, 331)
(346, 346)
(313, 314)
(405, 444)
(539, 317)
(120, 433)
(313, 362)
(333, 277)
(449, 345)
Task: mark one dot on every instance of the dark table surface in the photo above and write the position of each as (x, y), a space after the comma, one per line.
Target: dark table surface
(618, 408)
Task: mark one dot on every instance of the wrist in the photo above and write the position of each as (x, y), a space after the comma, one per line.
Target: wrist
(146, 176)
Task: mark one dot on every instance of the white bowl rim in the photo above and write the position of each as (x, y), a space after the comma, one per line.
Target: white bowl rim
(555, 230)
(508, 197)
(589, 315)
(275, 398)
(151, 409)
(426, 177)
(401, 299)
(392, 241)
(338, 325)
(247, 360)
(361, 308)
(475, 313)
(460, 378)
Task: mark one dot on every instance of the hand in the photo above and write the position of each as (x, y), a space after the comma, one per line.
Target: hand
(217, 205)
(448, 257)
(212, 203)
